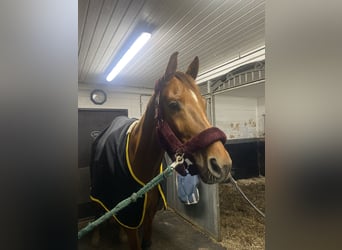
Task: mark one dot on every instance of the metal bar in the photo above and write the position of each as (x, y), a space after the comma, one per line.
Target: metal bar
(240, 86)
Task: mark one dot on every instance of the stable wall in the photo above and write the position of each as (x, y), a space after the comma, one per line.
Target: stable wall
(239, 117)
(134, 101)
(261, 115)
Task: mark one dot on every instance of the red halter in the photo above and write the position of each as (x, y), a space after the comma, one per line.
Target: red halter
(173, 146)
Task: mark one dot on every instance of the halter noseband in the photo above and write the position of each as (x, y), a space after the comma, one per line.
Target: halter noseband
(171, 143)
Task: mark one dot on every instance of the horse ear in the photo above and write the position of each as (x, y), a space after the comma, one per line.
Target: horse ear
(193, 68)
(171, 66)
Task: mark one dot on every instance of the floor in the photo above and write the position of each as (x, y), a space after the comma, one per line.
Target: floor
(170, 232)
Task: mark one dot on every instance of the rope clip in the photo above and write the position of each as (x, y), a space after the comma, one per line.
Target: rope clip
(179, 160)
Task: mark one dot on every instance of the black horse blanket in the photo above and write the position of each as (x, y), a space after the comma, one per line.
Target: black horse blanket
(112, 178)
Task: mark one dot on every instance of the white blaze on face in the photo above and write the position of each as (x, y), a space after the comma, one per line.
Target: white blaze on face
(202, 116)
(194, 96)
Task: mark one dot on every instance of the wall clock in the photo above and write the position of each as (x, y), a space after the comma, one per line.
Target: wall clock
(98, 96)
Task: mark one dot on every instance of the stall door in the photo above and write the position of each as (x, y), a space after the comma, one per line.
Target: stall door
(206, 213)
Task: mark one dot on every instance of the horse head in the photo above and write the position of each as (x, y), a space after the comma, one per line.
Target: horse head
(183, 125)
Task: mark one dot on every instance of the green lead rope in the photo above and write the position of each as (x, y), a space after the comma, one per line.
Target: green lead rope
(122, 204)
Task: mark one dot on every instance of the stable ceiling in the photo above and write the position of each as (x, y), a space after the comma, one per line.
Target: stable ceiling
(216, 31)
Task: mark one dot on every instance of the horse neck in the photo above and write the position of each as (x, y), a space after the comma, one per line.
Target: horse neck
(144, 149)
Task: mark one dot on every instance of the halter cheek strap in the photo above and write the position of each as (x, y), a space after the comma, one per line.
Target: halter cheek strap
(173, 146)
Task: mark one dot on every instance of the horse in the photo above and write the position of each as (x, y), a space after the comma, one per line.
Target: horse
(175, 122)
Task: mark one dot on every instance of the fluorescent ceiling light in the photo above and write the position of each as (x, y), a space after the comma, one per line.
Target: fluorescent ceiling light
(131, 52)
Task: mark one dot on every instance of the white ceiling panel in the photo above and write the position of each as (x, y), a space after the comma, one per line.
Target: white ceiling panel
(216, 31)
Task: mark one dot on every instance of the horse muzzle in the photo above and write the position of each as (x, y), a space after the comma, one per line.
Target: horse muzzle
(216, 173)
(211, 170)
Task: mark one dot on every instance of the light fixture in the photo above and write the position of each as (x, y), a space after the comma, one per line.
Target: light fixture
(130, 53)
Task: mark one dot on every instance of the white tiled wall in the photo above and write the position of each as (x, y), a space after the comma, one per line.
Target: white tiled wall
(239, 117)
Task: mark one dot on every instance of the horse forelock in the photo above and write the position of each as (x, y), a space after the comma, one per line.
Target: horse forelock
(188, 81)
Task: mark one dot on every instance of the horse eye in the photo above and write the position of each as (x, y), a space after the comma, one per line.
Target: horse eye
(174, 105)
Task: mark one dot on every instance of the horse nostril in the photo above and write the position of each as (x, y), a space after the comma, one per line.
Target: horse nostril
(214, 168)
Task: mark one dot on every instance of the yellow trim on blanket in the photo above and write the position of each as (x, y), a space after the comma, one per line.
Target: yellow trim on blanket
(118, 221)
(129, 163)
(138, 181)
(136, 178)
(161, 190)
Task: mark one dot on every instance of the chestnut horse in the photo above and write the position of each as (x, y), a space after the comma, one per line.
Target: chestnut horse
(175, 122)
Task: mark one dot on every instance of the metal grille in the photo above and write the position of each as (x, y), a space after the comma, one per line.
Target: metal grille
(243, 75)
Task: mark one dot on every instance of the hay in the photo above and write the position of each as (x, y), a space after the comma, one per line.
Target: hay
(241, 226)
